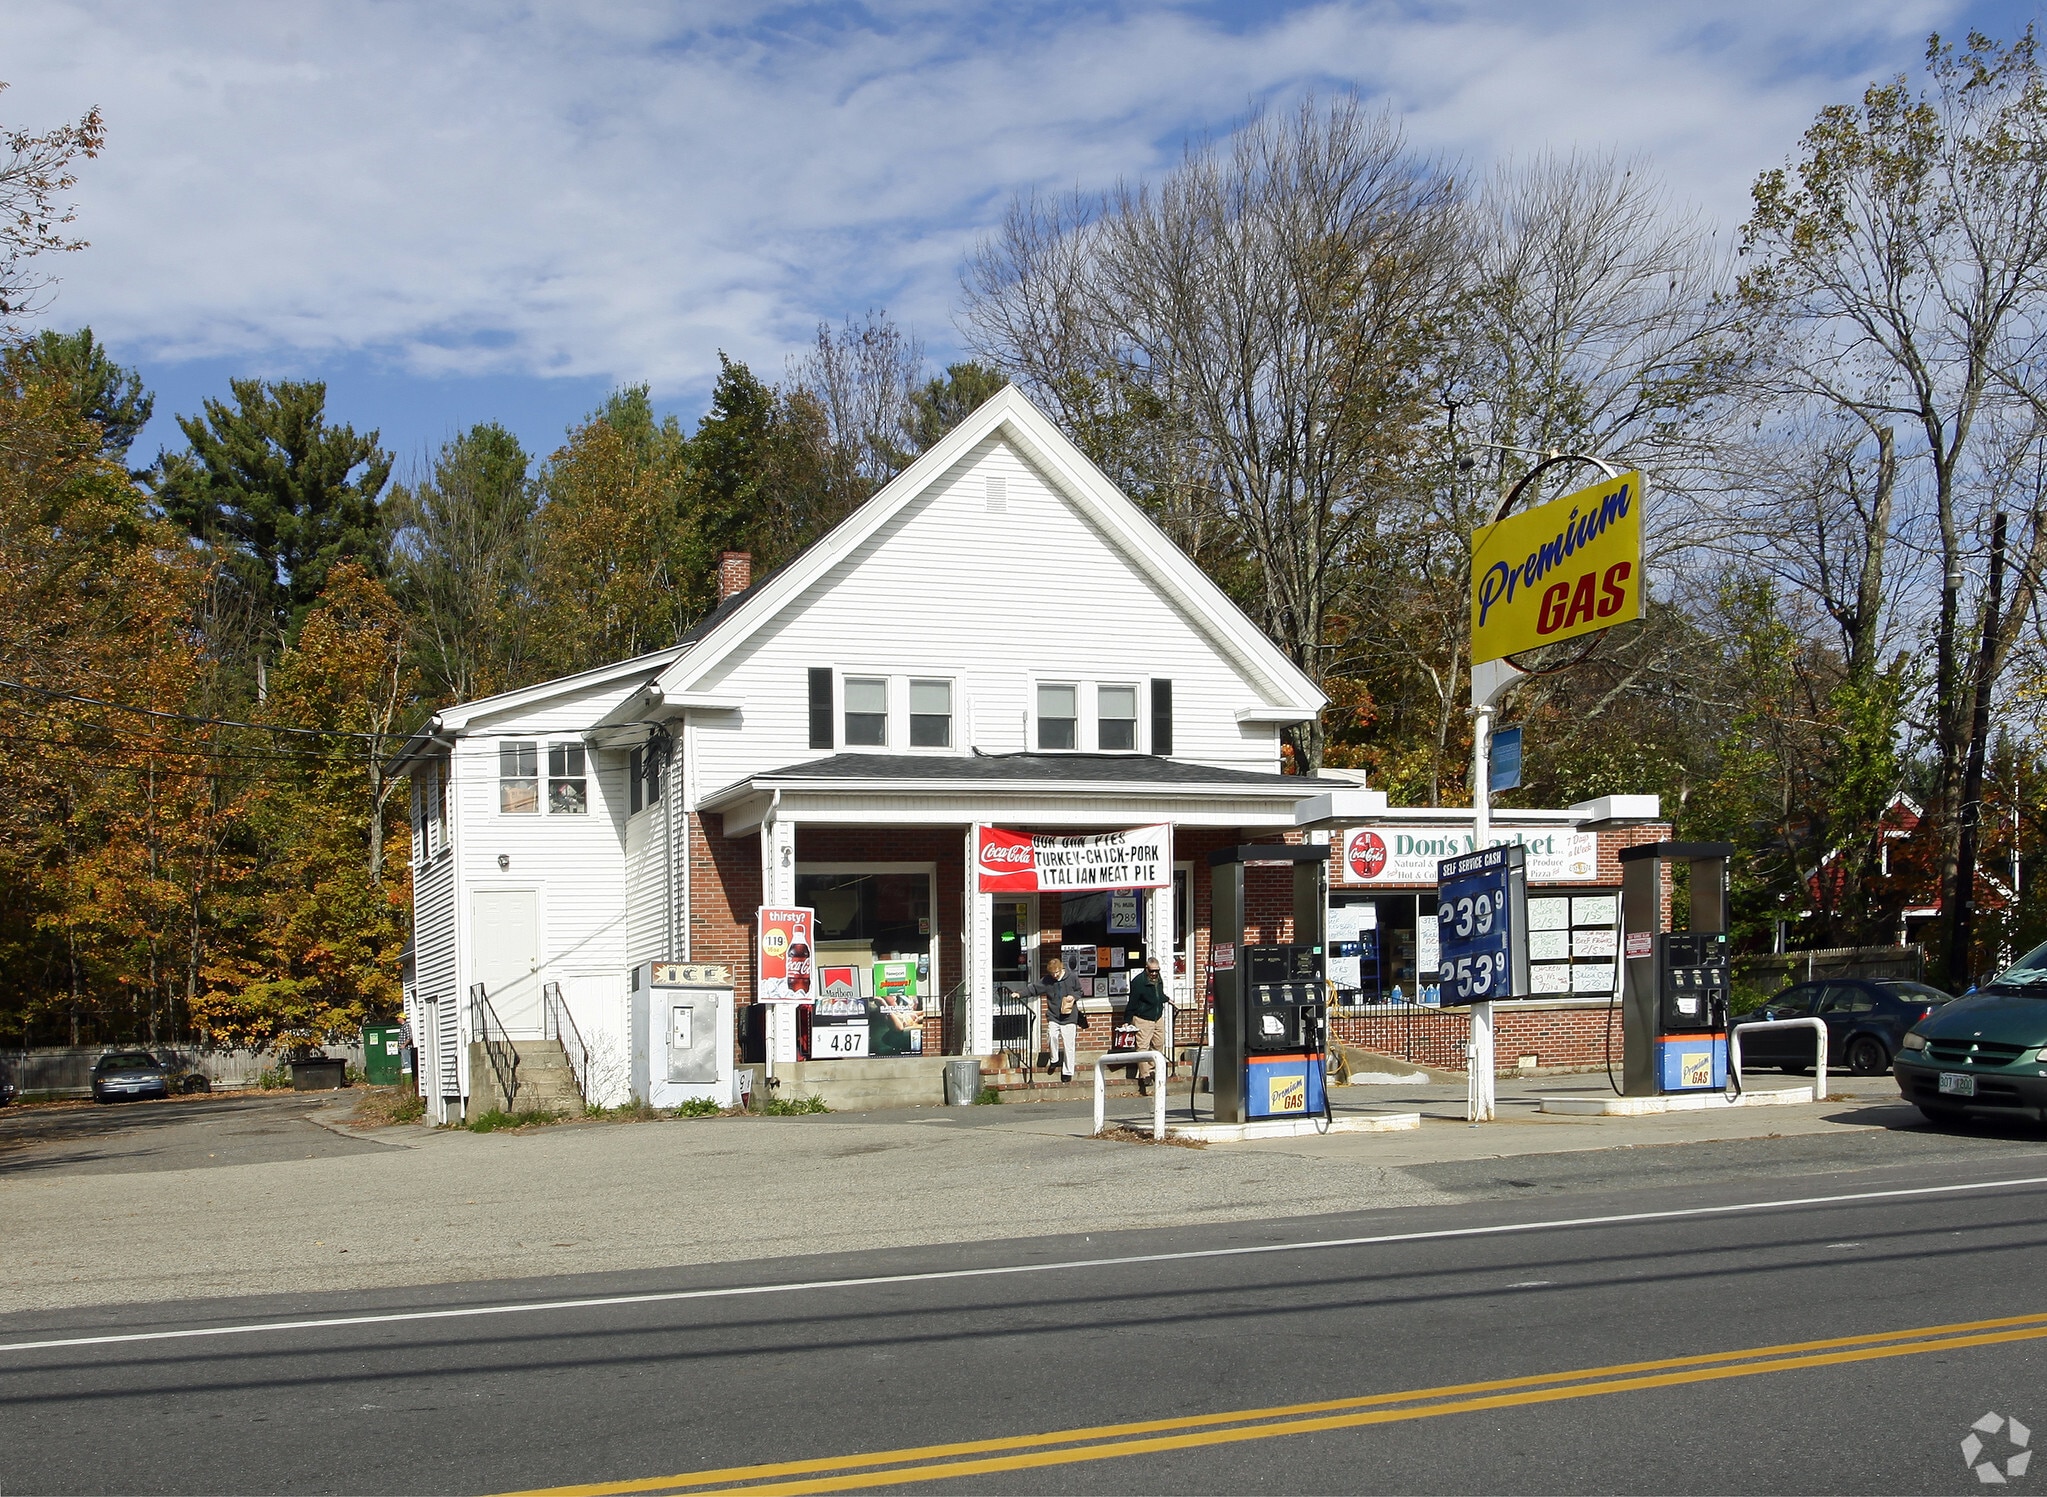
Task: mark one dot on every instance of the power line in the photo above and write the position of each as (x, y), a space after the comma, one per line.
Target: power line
(187, 717)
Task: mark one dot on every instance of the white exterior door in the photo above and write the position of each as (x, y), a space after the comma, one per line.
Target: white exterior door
(504, 955)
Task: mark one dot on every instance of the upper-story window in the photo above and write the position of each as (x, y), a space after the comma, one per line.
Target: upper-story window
(568, 782)
(931, 714)
(1116, 719)
(866, 712)
(1058, 716)
(519, 777)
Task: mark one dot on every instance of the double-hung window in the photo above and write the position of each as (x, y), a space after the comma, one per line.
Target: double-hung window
(931, 714)
(568, 781)
(1058, 716)
(866, 712)
(519, 777)
(1116, 719)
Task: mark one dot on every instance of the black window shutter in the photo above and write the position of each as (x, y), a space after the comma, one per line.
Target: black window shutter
(1162, 718)
(820, 706)
(634, 771)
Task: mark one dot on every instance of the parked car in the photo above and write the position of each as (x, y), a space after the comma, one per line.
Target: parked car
(1866, 1020)
(7, 1089)
(1985, 1053)
(128, 1074)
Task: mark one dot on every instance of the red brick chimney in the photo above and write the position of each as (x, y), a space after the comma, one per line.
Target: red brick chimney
(735, 573)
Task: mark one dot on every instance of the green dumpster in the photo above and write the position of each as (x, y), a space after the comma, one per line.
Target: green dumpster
(383, 1054)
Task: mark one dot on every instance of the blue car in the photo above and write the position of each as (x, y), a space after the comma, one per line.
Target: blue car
(1866, 1023)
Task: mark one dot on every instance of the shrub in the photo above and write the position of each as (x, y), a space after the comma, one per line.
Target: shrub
(497, 1118)
(786, 1107)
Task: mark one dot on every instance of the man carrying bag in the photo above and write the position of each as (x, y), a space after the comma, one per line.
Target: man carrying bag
(1063, 1018)
(1146, 1013)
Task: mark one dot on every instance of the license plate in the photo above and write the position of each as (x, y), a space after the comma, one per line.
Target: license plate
(1957, 1084)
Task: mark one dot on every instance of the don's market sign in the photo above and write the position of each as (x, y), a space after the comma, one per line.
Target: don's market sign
(1025, 862)
(1409, 854)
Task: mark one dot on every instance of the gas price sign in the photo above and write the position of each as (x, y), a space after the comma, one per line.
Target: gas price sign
(1481, 915)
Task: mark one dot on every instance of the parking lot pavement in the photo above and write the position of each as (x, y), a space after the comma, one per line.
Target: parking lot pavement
(181, 1133)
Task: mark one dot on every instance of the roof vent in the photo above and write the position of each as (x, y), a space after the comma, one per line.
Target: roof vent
(998, 495)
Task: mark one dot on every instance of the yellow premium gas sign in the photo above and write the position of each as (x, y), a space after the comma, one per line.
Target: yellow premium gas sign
(1566, 568)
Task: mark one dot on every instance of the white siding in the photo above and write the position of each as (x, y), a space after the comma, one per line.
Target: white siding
(995, 601)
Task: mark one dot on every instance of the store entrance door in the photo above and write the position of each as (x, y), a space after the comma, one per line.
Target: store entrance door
(1012, 947)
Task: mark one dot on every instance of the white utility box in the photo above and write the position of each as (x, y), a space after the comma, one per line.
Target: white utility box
(682, 1034)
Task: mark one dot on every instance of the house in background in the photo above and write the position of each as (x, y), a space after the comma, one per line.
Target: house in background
(999, 638)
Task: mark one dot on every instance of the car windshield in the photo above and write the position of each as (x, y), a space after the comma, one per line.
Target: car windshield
(1914, 992)
(127, 1063)
(2027, 974)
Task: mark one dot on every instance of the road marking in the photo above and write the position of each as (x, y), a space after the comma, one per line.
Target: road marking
(740, 1291)
(1118, 1441)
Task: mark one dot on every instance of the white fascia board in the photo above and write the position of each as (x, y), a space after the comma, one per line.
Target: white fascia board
(1620, 808)
(744, 814)
(1276, 714)
(1339, 805)
(1141, 540)
(1279, 795)
(1346, 811)
(455, 719)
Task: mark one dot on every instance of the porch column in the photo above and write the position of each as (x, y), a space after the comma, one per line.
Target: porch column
(778, 887)
(977, 952)
(1158, 941)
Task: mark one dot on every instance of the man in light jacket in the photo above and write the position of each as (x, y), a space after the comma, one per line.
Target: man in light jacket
(1061, 993)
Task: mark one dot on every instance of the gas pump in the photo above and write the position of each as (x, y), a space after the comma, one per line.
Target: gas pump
(1270, 1002)
(1675, 990)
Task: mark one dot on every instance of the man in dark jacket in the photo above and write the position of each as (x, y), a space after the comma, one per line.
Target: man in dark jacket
(1061, 993)
(1146, 1012)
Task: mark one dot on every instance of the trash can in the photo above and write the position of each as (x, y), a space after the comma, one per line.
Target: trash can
(383, 1054)
(962, 1081)
(319, 1075)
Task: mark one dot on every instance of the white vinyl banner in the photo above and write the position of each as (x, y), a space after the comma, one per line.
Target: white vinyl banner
(1409, 854)
(1025, 862)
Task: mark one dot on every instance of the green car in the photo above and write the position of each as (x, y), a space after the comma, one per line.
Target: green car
(1985, 1054)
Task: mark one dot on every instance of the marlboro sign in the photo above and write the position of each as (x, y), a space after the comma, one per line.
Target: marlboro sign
(1027, 863)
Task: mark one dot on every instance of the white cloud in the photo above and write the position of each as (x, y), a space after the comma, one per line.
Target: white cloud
(620, 190)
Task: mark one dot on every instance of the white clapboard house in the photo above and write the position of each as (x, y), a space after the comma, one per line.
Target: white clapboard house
(999, 638)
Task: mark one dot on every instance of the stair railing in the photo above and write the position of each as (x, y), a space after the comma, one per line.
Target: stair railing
(561, 1026)
(489, 1030)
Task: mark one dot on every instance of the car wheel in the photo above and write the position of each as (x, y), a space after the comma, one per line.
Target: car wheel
(1866, 1055)
(1942, 1117)
(195, 1084)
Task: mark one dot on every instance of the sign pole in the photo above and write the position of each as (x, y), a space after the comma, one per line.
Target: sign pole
(1479, 1064)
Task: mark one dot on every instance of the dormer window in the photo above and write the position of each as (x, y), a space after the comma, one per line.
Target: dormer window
(1116, 719)
(866, 712)
(931, 714)
(1058, 716)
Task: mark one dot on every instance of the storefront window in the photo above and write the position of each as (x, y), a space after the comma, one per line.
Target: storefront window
(1101, 937)
(1058, 717)
(864, 918)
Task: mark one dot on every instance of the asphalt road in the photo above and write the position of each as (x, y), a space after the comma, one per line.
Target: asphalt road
(179, 1133)
(1210, 1339)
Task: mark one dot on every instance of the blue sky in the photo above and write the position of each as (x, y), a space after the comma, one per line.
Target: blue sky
(496, 210)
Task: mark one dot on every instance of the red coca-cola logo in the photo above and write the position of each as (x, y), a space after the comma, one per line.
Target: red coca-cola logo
(1018, 853)
(1367, 855)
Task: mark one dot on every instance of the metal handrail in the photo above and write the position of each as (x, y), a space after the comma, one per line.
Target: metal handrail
(559, 1024)
(1819, 1087)
(1158, 1091)
(504, 1055)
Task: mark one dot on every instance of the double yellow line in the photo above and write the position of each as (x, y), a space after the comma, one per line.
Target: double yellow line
(1103, 1442)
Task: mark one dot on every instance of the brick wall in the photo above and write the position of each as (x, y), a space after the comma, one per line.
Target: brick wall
(1561, 1036)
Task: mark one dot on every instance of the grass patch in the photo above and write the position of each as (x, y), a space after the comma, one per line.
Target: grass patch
(634, 1111)
(789, 1107)
(387, 1106)
(699, 1107)
(497, 1119)
(987, 1096)
(1117, 1133)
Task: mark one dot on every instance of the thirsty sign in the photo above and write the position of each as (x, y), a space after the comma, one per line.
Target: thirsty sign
(786, 963)
(1027, 863)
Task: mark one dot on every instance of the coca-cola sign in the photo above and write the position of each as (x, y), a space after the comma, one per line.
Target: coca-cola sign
(784, 956)
(1027, 862)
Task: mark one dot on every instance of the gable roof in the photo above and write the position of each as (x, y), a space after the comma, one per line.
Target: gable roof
(1011, 415)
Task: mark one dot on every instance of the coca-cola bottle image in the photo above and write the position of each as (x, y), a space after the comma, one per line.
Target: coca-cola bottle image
(798, 967)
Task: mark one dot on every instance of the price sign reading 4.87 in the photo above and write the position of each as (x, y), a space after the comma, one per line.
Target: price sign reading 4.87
(1481, 903)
